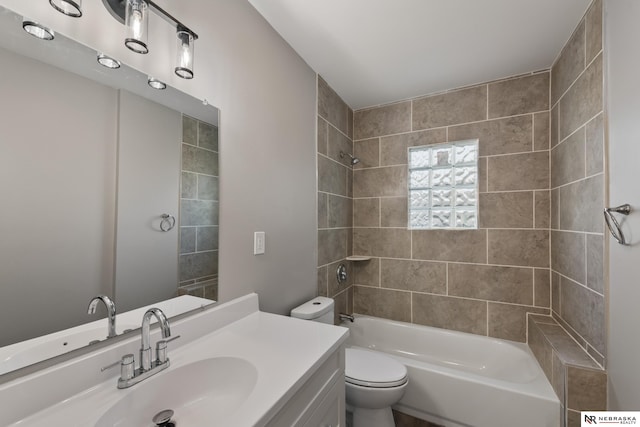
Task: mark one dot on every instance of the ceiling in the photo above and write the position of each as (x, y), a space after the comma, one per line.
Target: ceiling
(374, 52)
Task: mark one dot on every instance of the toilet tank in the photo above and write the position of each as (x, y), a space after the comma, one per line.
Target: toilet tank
(319, 309)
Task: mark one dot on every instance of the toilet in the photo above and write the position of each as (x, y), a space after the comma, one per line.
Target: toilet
(373, 380)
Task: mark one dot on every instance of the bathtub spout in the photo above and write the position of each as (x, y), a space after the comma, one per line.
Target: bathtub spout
(344, 316)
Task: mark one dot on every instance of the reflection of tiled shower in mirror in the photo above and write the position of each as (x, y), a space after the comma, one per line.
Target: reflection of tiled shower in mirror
(199, 203)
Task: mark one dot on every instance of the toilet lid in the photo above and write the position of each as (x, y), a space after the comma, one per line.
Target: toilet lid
(373, 369)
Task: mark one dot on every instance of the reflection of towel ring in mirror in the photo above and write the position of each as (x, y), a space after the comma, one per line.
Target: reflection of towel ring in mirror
(167, 223)
(613, 224)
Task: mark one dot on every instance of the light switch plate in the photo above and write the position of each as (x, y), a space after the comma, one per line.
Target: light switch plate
(259, 243)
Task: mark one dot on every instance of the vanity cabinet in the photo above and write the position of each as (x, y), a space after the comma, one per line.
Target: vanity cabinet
(320, 401)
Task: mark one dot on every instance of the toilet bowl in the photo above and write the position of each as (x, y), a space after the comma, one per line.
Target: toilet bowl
(374, 382)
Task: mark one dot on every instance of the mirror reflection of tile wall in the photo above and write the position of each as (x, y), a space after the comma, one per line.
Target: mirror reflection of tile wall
(199, 202)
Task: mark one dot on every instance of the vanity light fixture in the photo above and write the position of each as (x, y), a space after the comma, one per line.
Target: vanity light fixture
(72, 8)
(156, 84)
(107, 61)
(134, 14)
(37, 30)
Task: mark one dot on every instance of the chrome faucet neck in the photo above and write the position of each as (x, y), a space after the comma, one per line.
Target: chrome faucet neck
(145, 350)
(111, 312)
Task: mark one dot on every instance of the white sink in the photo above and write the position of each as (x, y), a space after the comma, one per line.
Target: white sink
(196, 391)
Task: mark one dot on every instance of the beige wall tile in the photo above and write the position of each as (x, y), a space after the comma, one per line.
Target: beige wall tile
(574, 419)
(568, 254)
(541, 349)
(350, 123)
(368, 152)
(541, 131)
(509, 322)
(367, 272)
(586, 389)
(506, 210)
(595, 263)
(332, 245)
(567, 348)
(519, 247)
(542, 287)
(584, 310)
(366, 212)
(458, 314)
(528, 94)
(501, 136)
(341, 306)
(581, 205)
(382, 242)
(450, 245)
(393, 149)
(380, 182)
(323, 219)
(461, 106)
(555, 208)
(492, 283)
(555, 291)
(554, 124)
(340, 213)
(583, 100)
(339, 143)
(568, 160)
(594, 30)
(380, 121)
(385, 303)
(332, 177)
(393, 212)
(542, 203)
(595, 146)
(482, 174)
(559, 377)
(331, 107)
(323, 133)
(323, 289)
(529, 171)
(570, 64)
(419, 276)
(349, 182)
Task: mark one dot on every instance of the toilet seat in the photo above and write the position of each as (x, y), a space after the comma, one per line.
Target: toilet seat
(372, 369)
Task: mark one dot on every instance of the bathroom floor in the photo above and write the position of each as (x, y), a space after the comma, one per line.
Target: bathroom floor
(401, 419)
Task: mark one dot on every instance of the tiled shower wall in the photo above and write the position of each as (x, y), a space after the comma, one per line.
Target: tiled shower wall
(577, 182)
(480, 281)
(199, 204)
(335, 174)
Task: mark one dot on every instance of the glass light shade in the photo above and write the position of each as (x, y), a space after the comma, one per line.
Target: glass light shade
(156, 84)
(137, 23)
(37, 30)
(71, 8)
(184, 67)
(107, 61)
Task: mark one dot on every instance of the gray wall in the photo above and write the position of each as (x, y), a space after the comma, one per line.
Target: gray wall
(57, 180)
(266, 94)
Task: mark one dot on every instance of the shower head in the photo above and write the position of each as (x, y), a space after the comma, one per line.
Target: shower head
(354, 160)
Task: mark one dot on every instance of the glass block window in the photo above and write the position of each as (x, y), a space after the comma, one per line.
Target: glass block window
(443, 186)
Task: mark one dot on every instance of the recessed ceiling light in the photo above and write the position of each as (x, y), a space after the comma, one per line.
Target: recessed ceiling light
(156, 84)
(37, 30)
(107, 61)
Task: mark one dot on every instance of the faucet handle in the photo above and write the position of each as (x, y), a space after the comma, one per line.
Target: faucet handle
(127, 367)
(161, 349)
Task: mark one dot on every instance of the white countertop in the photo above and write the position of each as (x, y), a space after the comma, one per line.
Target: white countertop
(284, 351)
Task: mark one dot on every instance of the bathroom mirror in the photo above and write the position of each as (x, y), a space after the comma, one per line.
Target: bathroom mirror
(108, 186)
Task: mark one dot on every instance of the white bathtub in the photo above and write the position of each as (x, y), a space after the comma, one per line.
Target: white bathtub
(459, 379)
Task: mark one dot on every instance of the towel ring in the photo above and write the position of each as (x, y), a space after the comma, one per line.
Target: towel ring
(613, 224)
(167, 223)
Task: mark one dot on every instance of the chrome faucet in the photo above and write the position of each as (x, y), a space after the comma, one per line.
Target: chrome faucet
(111, 312)
(128, 374)
(145, 350)
(344, 316)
